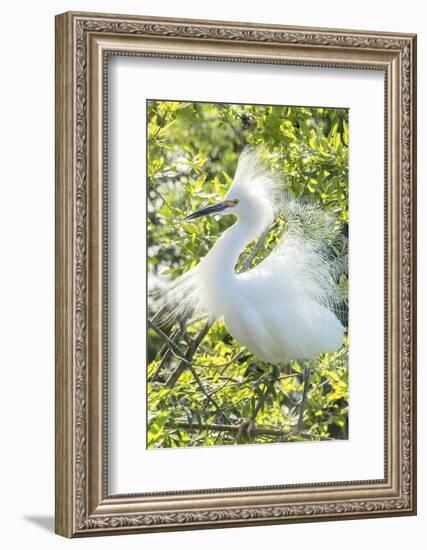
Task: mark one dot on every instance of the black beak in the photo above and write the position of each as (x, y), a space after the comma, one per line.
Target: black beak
(214, 209)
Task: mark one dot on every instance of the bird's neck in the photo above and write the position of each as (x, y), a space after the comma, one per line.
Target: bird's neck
(223, 256)
(218, 267)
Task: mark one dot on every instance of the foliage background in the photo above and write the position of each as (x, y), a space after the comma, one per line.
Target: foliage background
(200, 383)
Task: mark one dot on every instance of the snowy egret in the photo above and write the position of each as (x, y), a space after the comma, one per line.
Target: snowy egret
(281, 309)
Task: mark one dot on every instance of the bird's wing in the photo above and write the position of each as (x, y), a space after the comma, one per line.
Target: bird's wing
(310, 257)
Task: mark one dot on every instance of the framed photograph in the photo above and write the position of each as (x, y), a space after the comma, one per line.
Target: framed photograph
(235, 274)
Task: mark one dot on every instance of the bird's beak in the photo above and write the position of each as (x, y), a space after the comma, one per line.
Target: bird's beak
(214, 209)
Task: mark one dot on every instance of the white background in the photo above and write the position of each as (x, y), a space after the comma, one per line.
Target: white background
(27, 244)
(132, 467)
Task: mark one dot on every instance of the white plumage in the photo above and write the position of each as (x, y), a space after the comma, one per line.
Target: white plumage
(282, 309)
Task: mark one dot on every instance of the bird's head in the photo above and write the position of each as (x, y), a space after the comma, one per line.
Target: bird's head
(252, 195)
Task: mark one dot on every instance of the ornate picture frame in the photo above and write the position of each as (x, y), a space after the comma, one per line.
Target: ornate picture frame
(84, 43)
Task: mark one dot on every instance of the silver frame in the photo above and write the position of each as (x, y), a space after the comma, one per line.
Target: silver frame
(83, 43)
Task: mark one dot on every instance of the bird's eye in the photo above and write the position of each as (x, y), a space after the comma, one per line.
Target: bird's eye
(231, 203)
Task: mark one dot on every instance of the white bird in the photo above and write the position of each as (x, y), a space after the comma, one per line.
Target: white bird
(280, 310)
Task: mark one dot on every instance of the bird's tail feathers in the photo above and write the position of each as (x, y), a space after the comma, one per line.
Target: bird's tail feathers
(177, 300)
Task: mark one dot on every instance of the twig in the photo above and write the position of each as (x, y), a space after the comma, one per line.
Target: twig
(228, 380)
(172, 347)
(260, 403)
(285, 376)
(165, 202)
(205, 392)
(167, 352)
(233, 405)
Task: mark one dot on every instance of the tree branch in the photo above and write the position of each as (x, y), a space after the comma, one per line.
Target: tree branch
(256, 432)
(176, 352)
(187, 360)
(165, 353)
(233, 429)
